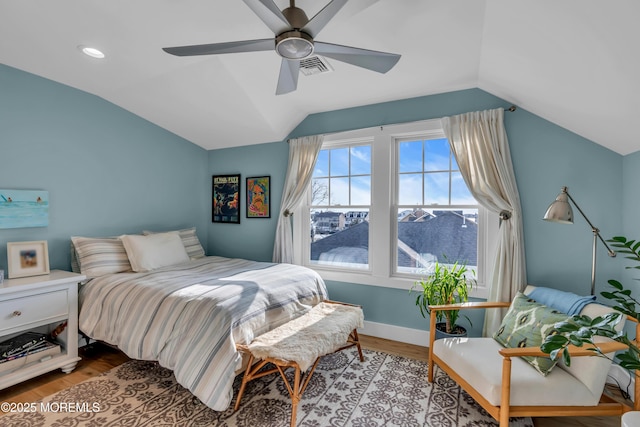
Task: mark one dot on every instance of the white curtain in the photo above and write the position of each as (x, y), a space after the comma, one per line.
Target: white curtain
(479, 143)
(303, 153)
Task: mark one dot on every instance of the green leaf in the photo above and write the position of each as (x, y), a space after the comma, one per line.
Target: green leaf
(615, 284)
(575, 341)
(566, 327)
(566, 358)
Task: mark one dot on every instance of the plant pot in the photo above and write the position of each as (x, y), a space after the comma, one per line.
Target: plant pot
(457, 332)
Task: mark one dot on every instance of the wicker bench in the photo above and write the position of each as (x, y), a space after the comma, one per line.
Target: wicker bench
(327, 328)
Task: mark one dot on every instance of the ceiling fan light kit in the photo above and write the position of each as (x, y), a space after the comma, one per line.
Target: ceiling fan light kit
(294, 45)
(294, 41)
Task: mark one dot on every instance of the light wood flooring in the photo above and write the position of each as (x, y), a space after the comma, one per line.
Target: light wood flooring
(98, 358)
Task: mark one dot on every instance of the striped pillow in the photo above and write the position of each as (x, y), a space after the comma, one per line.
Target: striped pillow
(189, 240)
(99, 256)
(75, 265)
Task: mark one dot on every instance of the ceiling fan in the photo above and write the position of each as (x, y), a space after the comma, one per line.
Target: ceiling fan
(294, 41)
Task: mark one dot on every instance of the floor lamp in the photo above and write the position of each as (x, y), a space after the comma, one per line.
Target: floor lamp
(560, 211)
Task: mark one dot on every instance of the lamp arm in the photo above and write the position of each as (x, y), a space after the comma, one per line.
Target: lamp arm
(596, 231)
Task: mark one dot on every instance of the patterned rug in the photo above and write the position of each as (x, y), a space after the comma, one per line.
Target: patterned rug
(384, 390)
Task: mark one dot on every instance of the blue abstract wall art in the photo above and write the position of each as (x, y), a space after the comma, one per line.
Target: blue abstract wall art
(24, 208)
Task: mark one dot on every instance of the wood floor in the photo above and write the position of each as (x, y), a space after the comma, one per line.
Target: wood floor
(98, 358)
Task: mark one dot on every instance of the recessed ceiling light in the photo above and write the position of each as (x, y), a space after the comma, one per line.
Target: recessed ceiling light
(91, 51)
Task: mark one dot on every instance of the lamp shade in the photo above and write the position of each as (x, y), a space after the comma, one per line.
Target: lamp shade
(560, 210)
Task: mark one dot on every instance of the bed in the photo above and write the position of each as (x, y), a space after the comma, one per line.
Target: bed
(190, 315)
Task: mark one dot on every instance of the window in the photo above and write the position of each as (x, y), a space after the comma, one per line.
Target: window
(340, 202)
(384, 203)
(437, 215)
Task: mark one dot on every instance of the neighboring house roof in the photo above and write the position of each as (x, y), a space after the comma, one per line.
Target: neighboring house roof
(448, 235)
(328, 214)
(355, 238)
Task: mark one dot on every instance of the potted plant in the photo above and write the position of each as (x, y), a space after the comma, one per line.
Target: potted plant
(447, 284)
(581, 330)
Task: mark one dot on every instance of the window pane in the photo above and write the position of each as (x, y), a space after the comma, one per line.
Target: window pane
(445, 235)
(410, 189)
(361, 190)
(436, 154)
(436, 188)
(410, 156)
(339, 194)
(320, 191)
(361, 160)
(339, 162)
(340, 237)
(322, 164)
(460, 194)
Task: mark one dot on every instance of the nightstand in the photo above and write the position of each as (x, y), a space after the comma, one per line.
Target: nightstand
(40, 303)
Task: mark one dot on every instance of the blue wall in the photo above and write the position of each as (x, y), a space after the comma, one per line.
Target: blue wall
(107, 171)
(253, 238)
(545, 157)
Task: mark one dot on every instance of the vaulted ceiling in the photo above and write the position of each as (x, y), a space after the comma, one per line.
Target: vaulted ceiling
(575, 63)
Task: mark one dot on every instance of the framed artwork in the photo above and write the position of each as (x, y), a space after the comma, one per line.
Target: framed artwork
(27, 258)
(226, 199)
(258, 202)
(24, 208)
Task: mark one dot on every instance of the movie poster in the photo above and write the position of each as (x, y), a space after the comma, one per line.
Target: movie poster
(226, 198)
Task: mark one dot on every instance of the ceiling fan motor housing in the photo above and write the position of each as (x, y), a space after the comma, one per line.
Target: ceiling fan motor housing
(296, 17)
(294, 44)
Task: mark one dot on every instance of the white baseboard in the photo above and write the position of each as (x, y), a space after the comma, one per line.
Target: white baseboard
(622, 378)
(396, 333)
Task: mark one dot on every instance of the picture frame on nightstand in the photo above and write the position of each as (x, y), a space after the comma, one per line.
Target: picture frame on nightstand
(27, 258)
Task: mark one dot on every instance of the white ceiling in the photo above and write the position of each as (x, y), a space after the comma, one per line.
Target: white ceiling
(573, 62)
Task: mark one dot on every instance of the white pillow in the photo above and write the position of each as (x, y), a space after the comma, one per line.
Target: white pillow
(150, 252)
(189, 240)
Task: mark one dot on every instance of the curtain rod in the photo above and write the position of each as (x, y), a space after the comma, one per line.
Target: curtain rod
(510, 109)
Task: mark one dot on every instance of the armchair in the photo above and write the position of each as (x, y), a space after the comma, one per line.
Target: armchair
(507, 386)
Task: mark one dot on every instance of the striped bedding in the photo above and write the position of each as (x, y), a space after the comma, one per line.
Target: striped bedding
(189, 316)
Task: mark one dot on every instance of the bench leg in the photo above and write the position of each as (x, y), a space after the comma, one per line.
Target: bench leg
(300, 383)
(356, 341)
(251, 373)
(246, 377)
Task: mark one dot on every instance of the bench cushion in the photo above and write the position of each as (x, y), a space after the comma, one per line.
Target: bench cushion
(322, 330)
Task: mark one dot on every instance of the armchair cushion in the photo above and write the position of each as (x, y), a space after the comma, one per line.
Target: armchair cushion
(526, 324)
(476, 360)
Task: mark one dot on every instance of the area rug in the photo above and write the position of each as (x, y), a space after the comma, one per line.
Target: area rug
(384, 390)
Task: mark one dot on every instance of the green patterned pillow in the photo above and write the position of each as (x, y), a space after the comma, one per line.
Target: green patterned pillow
(526, 324)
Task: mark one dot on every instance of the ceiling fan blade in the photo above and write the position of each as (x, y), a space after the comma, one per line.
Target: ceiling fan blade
(369, 59)
(288, 78)
(321, 19)
(219, 48)
(270, 14)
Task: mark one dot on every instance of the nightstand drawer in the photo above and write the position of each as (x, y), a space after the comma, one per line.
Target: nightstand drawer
(33, 308)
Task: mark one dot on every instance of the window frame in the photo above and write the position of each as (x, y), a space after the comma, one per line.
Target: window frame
(383, 211)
